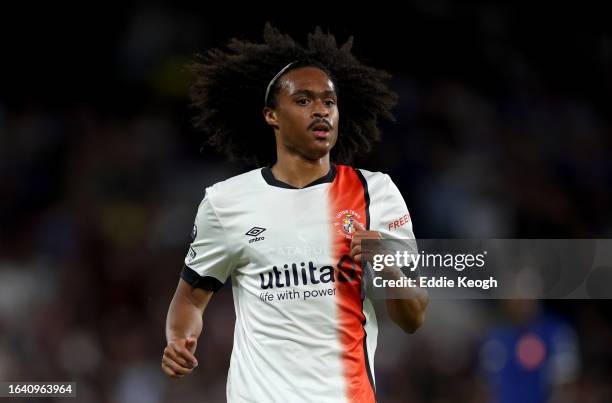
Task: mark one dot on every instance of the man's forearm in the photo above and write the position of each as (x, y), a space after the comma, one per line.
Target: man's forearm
(184, 319)
(183, 327)
(406, 306)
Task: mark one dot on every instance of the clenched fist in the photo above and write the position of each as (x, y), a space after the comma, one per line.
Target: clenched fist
(359, 234)
(178, 359)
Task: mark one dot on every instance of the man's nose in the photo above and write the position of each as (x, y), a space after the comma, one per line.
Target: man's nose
(319, 109)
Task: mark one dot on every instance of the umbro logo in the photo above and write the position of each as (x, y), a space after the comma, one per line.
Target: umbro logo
(254, 232)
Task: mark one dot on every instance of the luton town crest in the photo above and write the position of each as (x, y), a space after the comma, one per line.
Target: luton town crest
(345, 222)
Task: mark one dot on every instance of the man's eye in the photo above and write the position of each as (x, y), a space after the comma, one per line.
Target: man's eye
(302, 101)
(330, 102)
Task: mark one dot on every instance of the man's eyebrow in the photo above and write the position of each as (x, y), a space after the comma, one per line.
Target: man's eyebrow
(327, 93)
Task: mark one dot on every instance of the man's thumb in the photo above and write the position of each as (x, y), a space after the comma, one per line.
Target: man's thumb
(358, 226)
(190, 343)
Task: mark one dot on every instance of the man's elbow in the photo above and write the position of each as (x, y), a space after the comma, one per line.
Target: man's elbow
(412, 325)
(409, 323)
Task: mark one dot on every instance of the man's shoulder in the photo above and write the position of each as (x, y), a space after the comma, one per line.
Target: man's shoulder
(235, 185)
(238, 181)
(373, 177)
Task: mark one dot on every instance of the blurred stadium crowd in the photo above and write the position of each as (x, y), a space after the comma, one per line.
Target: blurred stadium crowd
(99, 187)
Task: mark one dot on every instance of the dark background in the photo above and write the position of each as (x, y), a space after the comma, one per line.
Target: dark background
(503, 131)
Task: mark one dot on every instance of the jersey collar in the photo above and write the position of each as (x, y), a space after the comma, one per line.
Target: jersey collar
(266, 172)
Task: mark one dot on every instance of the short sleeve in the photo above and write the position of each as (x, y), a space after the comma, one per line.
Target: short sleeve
(209, 260)
(392, 217)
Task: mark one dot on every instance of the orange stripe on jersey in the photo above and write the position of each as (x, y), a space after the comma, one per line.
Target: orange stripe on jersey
(348, 201)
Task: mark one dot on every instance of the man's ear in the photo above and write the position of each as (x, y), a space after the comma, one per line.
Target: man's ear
(270, 116)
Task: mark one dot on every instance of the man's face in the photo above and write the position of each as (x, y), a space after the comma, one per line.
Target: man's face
(306, 116)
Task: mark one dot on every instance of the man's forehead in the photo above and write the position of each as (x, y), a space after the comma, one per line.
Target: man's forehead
(309, 79)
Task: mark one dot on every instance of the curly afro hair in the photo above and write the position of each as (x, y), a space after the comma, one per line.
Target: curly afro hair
(229, 88)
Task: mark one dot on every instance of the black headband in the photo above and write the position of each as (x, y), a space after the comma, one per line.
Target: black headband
(280, 73)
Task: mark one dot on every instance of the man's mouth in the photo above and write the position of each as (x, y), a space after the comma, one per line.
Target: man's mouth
(321, 130)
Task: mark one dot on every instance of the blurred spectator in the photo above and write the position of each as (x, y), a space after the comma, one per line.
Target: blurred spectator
(530, 356)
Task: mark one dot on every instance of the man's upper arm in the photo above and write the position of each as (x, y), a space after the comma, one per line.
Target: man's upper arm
(394, 219)
(210, 258)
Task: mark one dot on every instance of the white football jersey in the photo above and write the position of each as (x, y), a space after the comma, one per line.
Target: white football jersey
(304, 330)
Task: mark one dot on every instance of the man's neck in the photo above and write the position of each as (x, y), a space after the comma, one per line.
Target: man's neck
(299, 172)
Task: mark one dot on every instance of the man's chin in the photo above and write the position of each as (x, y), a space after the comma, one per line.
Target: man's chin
(319, 151)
